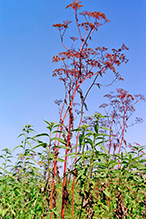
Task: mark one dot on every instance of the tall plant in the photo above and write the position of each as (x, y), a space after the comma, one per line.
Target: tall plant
(80, 62)
(120, 107)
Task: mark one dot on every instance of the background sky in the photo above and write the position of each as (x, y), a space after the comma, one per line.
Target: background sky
(27, 43)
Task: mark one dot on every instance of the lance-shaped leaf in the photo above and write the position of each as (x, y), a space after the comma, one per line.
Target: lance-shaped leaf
(60, 140)
(61, 146)
(103, 148)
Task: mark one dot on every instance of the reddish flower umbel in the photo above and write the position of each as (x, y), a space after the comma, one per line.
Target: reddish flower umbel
(121, 107)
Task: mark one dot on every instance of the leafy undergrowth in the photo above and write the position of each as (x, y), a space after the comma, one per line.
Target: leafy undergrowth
(106, 186)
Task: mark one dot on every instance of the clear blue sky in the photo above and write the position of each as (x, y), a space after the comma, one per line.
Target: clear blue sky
(27, 43)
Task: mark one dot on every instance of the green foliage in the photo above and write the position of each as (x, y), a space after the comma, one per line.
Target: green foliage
(106, 185)
(6, 159)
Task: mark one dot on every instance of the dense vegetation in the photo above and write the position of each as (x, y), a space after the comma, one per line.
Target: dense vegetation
(107, 186)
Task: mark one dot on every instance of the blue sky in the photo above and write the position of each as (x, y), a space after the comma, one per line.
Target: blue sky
(27, 43)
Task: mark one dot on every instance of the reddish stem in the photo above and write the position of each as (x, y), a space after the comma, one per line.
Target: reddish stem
(74, 177)
(55, 165)
(65, 165)
(68, 143)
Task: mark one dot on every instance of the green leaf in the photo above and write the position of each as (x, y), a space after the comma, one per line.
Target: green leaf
(80, 139)
(59, 160)
(19, 146)
(96, 128)
(21, 135)
(103, 148)
(28, 143)
(47, 122)
(60, 139)
(106, 192)
(4, 211)
(105, 128)
(76, 130)
(70, 154)
(4, 170)
(100, 138)
(75, 146)
(59, 132)
(143, 160)
(58, 125)
(40, 135)
(61, 146)
(139, 166)
(73, 155)
(89, 141)
(90, 133)
(87, 152)
(44, 145)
